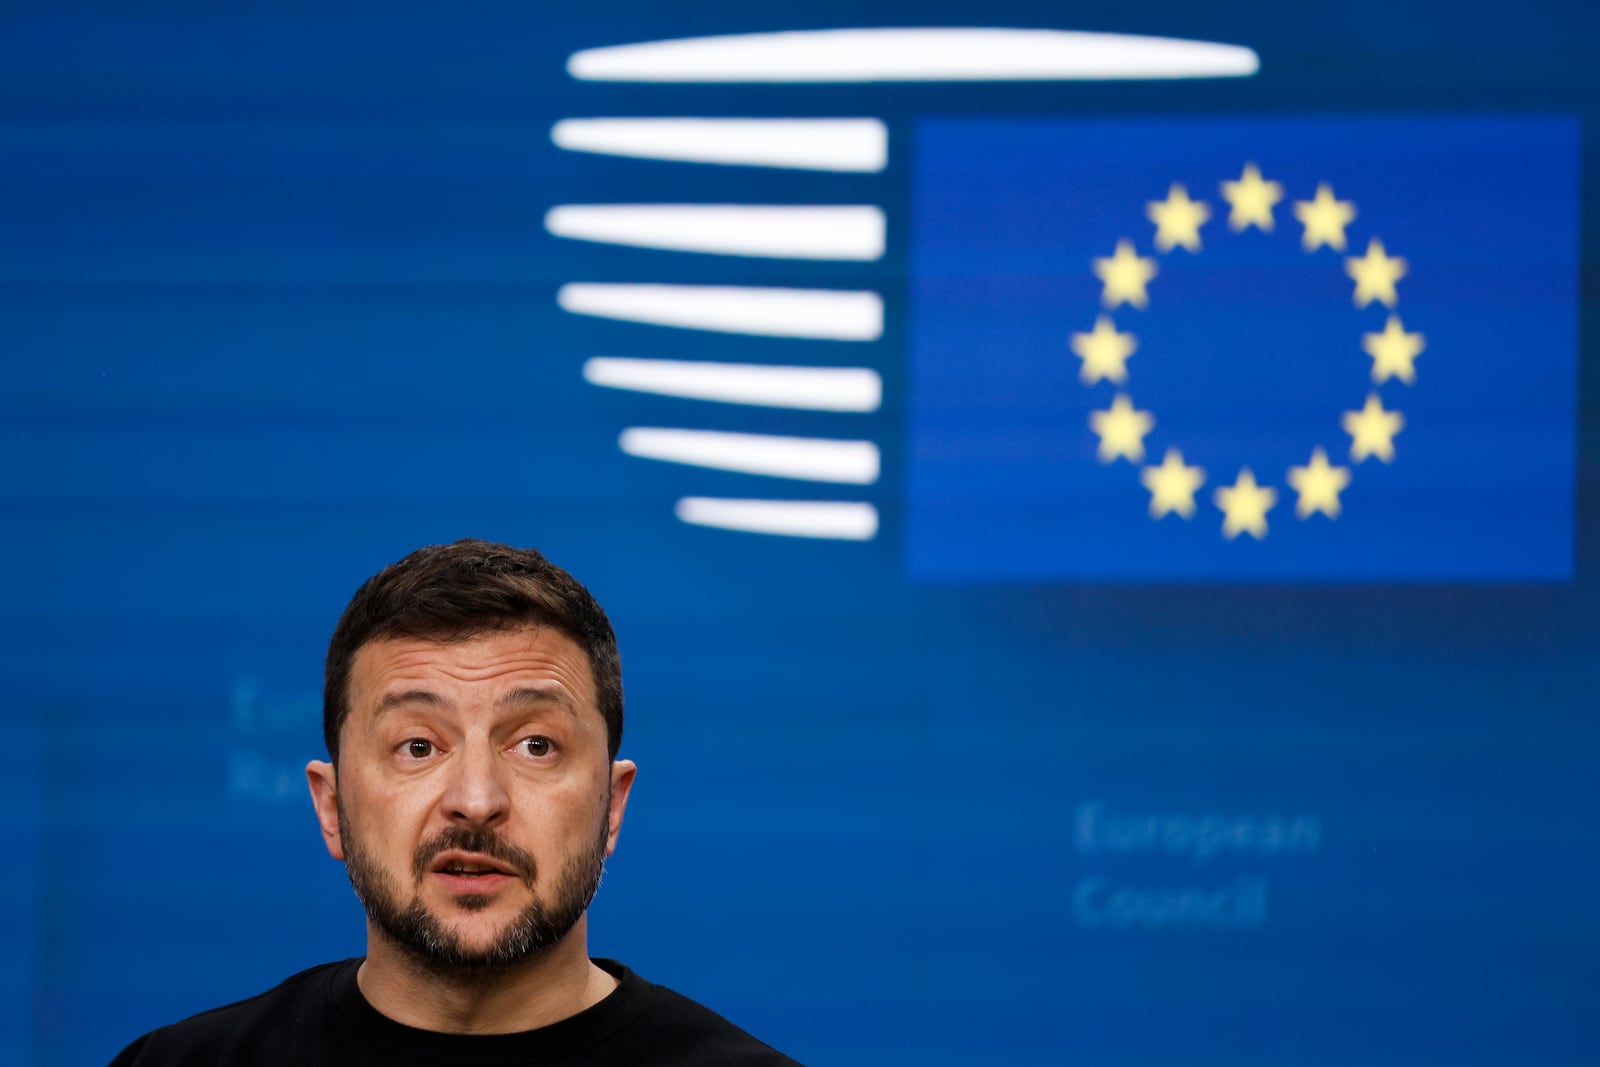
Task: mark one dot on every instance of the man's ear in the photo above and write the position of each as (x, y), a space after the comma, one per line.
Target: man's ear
(622, 772)
(324, 785)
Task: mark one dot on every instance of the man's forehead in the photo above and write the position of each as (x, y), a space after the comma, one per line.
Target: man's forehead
(527, 664)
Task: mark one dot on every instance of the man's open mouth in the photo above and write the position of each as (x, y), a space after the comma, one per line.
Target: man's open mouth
(458, 865)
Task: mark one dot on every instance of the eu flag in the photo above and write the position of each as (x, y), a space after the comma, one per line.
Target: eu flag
(1258, 349)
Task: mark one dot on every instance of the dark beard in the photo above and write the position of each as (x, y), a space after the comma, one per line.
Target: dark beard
(421, 934)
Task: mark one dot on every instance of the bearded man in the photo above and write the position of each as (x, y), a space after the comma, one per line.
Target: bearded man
(472, 710)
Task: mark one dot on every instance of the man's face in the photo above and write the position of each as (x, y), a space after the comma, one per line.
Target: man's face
(475, 800)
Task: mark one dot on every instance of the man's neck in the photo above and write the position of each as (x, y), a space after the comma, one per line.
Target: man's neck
(555, 984)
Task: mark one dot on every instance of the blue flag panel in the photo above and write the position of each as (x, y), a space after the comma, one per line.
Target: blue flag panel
(1267, 349)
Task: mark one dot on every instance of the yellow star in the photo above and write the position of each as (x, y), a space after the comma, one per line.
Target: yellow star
(1121, 430)
(1172, 485)
(1125, 275)
(1375, 274)
(1372, 430)
(1244, 506)
(1392, 351)
(1178, 219)
(1319, 485)
(1252, 199)
(1324, 219)
(1104, 352)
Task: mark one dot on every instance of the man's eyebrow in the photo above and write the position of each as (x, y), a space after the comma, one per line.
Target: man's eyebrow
(552, 693)
(391, 701)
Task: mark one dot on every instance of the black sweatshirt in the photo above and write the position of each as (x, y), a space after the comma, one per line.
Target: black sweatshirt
(320, 1017)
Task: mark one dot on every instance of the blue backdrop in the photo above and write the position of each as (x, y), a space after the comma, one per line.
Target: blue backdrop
(1012, 770)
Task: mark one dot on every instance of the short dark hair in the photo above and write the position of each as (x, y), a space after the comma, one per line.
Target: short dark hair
(458, 591)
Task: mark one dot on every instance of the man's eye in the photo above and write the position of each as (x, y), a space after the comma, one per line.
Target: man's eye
(417, 748)
(537, 746)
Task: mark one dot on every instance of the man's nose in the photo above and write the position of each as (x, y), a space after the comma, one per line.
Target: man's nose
(477, 792)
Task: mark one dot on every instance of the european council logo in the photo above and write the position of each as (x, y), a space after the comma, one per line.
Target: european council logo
(1277, 349)
(785, 469)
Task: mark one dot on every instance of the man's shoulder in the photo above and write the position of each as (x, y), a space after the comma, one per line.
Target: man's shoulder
(238, 1032)
(676, 1029)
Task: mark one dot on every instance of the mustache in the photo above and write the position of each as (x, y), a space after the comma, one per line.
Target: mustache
(470, 839)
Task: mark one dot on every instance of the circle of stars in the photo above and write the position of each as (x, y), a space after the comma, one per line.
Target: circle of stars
(1125, 277)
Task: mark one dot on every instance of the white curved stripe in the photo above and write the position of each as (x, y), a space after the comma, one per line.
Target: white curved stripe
(846, 145)
(834, 520)
(819, 314)
(805, 388)
(913, 55)
(807, 231)
(811, 458)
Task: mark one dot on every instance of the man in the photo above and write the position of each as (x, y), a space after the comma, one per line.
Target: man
(472, 709)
